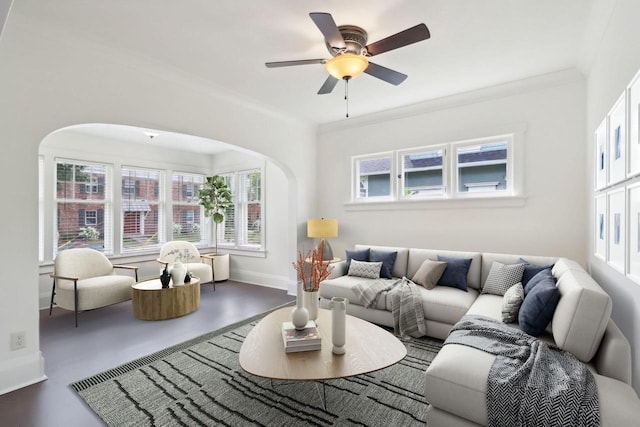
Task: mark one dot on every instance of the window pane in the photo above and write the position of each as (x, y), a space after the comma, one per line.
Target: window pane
(422, 173)
(227, 229)
(482, 168)
(187, 222)
(81, 201)
(374, 177)
(252, 193)
(141, 209)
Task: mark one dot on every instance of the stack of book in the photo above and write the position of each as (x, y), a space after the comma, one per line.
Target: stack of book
(306, 339)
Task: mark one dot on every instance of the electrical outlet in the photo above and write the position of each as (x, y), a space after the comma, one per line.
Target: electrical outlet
(18, 340)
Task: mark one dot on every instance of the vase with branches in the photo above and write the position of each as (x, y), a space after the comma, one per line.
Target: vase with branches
(312, 270)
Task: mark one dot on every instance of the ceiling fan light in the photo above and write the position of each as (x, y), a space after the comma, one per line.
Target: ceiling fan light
(346, 65)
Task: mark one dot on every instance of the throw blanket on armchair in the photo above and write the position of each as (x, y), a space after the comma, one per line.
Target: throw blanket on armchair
(406, 303)
(531, 383)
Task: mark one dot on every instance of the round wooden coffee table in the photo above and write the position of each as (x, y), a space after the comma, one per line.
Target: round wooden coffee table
(368, 348)
(151, 302)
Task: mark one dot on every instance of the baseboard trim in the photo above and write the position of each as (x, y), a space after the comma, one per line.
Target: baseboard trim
(21, 372)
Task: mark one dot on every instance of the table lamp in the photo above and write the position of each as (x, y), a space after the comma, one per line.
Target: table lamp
(322, 229)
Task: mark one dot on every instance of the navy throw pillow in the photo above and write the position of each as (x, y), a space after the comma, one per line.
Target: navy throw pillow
(455, 275)
(358, 255)
(531, 270)
(538, 307)
(388, 260)
(542, 275)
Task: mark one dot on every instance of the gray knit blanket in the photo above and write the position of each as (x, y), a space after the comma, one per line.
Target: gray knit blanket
(531, 383)
(406, 303)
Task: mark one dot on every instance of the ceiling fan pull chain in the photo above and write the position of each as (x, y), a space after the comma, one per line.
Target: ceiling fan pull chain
(346, 93)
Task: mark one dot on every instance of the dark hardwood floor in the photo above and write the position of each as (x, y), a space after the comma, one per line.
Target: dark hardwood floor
(111, 336)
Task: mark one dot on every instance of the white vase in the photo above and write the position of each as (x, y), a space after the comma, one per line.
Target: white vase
(299, 315)
(178, 272)
(338, 324)
(311, 303)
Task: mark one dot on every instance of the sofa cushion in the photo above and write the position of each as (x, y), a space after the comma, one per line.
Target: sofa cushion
(511, 302)
(400, 266)
(538, 307)
(342, 287)
(369, 270)
(444, 304)
(488, 259)
(501, 277)
(429, 273)
(388, 259)
(357, 254)
(456, 382)
(455, 275)
(544, 274)
(582, 314)
(417, 257)
(531, 270)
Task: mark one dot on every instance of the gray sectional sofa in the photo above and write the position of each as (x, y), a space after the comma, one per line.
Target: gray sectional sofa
(456, 381)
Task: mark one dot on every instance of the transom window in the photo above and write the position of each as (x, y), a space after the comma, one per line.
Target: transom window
(475, 168)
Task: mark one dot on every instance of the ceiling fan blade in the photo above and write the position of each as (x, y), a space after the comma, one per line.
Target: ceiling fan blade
(290, 63)
(328, 85)
(386, 74)
(403, 38)
(329, 29)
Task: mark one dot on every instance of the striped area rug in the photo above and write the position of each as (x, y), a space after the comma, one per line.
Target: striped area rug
(201, 383)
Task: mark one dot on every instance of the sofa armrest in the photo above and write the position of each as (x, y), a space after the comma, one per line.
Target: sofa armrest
(613, 358)
(339, 269)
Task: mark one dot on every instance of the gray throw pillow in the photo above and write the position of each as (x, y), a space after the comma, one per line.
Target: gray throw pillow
(501, 277)
(511, 303)
(368, 270)
(429, 273)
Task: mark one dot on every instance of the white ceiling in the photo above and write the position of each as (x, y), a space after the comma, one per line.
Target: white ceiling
(474, 44)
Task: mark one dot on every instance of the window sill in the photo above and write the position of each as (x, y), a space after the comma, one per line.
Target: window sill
(462, 202)
(251, 253)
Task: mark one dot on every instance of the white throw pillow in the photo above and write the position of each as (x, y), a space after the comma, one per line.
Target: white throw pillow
(511, 303)
(501, 277)
(368, 270)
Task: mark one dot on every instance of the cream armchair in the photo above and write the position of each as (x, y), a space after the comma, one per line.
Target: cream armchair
(201, 266)
(84, 279)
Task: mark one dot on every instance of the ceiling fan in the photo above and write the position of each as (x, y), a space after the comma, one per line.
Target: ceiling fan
(348, 47)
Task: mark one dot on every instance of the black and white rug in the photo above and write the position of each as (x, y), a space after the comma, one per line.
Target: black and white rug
(201, 383)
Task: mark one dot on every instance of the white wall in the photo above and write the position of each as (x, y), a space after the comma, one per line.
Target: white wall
(615, 62)
(52, 80)
(550, 221)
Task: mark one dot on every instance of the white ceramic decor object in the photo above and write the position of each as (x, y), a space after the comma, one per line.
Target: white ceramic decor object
(299, 315)
(311, 301)
(178, 272)
(338, 324)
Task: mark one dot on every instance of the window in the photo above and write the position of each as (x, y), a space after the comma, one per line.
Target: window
(82, 217)
(482, 167)
(90, 217)
(187, 224)
(467, 169)
(372, 176)
(422, 173)
(141, 209)
(243, 226)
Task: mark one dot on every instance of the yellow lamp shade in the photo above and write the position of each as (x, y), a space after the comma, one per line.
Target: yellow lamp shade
(346, 65)
(322, 228)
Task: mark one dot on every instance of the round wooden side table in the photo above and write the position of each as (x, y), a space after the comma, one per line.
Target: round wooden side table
(151, 302)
